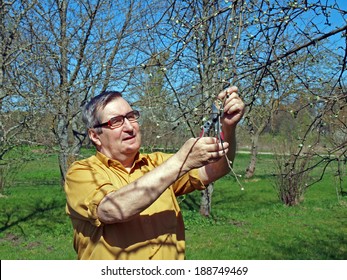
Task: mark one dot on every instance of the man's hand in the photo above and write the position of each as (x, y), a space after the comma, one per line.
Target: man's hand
(233, 106)
(197, 152)
(233, 110)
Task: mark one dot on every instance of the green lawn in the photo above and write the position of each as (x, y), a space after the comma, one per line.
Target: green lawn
(248, 224)
(254, 224)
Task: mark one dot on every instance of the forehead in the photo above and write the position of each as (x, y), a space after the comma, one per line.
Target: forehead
(118, 106)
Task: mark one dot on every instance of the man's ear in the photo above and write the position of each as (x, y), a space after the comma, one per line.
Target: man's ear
(94, 136)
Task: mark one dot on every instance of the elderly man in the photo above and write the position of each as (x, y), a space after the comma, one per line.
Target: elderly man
(122, 203)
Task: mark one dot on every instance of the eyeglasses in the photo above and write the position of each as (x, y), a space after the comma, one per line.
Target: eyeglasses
(118, 121)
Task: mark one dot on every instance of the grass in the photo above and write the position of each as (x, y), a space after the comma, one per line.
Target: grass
(253, 224)
(249, 224)
(33, 223)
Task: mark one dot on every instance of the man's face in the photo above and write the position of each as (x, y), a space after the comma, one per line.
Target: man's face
(120, 143)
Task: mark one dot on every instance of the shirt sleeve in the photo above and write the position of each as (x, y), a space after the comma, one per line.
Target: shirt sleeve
(187, 183)
(85, 187)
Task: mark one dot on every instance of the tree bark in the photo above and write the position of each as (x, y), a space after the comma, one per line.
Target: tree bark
(254, 150)
(206, 200)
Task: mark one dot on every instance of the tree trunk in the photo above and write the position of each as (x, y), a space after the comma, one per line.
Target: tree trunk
(69, 146)
(254, 150)
(63, 140)
(206, 199)
(253, 161)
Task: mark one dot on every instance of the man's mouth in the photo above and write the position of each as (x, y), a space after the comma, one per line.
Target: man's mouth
(128, 137)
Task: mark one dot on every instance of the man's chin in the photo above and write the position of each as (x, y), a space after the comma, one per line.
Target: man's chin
(132, 148)
(132, 145)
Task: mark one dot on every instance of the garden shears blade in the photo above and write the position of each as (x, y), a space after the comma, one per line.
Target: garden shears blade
(213, 125)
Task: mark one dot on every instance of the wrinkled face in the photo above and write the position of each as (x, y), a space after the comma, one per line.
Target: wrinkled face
(121, 143)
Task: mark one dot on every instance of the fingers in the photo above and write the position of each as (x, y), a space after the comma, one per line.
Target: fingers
(233, 90)
(197, 152)
(233, 104)
(210, 146)
(212, 142)
(215, 156)
(214, 149)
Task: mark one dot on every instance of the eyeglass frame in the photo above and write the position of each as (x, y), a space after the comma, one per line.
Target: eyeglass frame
(109, 122)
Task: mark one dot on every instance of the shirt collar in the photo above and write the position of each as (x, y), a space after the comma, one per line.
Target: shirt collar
(139, 159)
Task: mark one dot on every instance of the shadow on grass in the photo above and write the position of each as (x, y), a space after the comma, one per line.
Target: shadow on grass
(328, 246)
(191, 202)
(12, 217)
(227, 192)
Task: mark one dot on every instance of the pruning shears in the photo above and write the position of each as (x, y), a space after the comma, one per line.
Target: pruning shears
(213, 125)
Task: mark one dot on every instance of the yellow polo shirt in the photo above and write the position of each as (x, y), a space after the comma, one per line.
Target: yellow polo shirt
(157, 233)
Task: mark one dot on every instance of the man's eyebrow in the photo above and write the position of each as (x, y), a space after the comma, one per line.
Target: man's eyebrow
(120, 115)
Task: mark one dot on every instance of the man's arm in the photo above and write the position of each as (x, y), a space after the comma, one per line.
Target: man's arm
(130, 200)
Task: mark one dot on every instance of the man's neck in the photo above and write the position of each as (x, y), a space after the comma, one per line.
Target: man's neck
(126, 160)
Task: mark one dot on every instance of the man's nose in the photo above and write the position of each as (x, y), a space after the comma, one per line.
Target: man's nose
(127, 124)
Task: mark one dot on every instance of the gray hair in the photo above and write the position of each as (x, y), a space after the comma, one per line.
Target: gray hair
(91, 112)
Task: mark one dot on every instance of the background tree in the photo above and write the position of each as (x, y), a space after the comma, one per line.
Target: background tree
(201, 41)
(155, 103)
(16, 116)
(272, 49)
(287, 57)
(82, 47)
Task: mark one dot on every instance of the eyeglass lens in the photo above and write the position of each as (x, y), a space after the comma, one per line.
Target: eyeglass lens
(119, 120)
